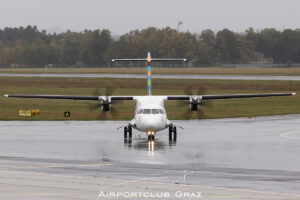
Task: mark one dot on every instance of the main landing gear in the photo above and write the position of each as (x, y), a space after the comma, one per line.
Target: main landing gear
(172, 133)
(128, 132)
(128, 135)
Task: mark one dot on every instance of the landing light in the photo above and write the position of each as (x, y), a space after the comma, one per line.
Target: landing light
(150, 132)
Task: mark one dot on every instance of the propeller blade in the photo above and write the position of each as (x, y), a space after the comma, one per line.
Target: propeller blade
(109, 91)
(114, 113)
(188, 91)
(182, 103)
(201, 91)
(187, 114)
(94, 107)
(201, 114)
(102, 115)
(96, 92)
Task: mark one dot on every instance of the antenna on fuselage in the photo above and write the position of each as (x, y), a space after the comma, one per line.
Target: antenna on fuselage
(149, 69)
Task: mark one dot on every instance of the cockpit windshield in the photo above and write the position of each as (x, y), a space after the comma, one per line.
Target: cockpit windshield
(151, 111)
(155, 111)
(147, 111)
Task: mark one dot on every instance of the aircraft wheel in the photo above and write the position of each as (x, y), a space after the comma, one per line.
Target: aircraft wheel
(171, 128)
(125, 132)
(153, 137)
(130, 131)
(175, 133)
(149, 137)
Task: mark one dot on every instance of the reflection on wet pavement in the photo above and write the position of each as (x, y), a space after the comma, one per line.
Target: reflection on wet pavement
(255, 153)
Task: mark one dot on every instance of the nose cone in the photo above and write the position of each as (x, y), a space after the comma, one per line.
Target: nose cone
(151, 122)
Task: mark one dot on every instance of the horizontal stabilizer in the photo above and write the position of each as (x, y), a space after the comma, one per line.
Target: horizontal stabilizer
(152, 59)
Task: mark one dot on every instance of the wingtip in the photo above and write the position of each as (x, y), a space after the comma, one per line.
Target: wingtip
(113, 60)
(6, 95)
(294, 93)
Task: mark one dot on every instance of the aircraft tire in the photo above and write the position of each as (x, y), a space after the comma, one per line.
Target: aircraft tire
(125, 132)
(175, 133)
(170, 132)
(130, 131)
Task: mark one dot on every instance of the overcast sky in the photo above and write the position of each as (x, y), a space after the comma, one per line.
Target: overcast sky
(121, 16)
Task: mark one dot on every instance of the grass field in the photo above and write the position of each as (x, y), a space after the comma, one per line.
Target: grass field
(85, 110)
(187, 71)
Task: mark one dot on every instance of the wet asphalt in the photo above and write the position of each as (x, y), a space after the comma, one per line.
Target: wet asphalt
(248, 153)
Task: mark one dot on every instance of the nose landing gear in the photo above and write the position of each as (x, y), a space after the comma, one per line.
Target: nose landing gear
(172, 133)
(151, 135)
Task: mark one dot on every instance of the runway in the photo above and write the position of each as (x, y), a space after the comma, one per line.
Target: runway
(241, 158)
(142, 76)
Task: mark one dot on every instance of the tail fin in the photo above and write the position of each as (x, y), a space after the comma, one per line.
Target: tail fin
(149, 75)
(149, 70)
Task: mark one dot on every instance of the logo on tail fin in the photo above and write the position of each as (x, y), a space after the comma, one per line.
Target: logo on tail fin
(149, 82)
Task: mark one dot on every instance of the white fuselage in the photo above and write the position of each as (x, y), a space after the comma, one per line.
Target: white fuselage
(150, 114)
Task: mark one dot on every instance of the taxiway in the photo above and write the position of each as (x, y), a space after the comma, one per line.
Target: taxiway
(242, 158)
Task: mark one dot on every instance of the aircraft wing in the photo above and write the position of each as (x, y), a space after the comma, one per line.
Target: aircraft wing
(120, 98)
(70, 97)
(229, 96)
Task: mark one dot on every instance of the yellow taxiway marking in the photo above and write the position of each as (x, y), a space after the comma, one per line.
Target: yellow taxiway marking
(290, 135)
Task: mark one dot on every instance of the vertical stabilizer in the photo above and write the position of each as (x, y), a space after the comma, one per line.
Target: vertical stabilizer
(149, 70)
(149, 75)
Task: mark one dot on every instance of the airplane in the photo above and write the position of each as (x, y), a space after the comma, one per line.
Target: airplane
(150, 114)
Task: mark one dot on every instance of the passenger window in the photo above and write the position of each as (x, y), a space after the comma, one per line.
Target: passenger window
(147, 111)
(140, 111)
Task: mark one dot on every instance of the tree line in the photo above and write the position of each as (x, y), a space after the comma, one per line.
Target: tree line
(30, 47)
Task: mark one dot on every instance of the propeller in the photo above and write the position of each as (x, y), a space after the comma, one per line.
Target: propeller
(104, 107)
(195, 103)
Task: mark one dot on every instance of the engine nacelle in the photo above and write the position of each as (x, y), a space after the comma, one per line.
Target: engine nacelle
(106, 107)
(195, 103)
(194, 106)
(105, 103)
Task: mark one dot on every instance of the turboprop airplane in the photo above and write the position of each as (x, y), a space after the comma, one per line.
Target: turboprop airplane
(150, 114)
